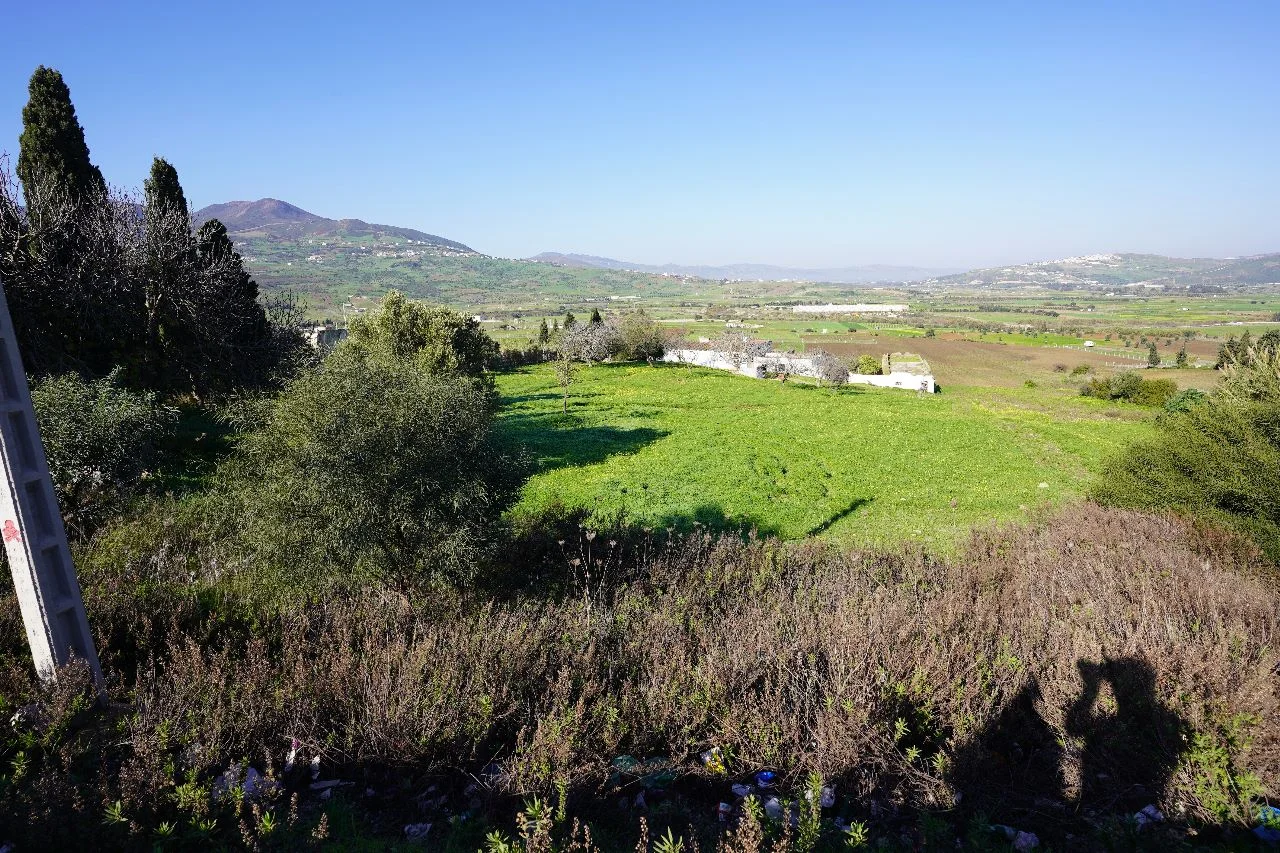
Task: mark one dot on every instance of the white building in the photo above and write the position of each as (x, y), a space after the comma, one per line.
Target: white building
(909, 376)
(858, 308)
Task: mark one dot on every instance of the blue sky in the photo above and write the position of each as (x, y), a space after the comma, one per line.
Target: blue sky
(815, 134)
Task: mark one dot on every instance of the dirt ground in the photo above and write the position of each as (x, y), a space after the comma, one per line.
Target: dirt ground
(960, 362)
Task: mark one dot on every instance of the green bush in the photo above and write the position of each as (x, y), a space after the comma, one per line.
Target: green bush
(100, 440)
(642, 338)
(1132, 388)
(372, 468)
(1185, 399)
(1220, 459)
(1154, 392)
(436, 340)
(868, 365)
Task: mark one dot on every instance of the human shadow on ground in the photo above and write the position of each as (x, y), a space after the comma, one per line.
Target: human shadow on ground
(1115, 753)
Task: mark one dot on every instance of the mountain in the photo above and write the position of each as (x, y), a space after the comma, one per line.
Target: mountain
(281, 220)
(1107, 271)
(752, 272)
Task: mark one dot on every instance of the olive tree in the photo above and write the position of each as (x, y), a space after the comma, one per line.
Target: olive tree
(868, 365)
(373, 468)
(437, 340)
(642, 339)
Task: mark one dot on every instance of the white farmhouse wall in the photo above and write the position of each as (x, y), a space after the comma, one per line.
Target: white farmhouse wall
(907, 381)
(710, 358)
(860, 308)
(797, 365)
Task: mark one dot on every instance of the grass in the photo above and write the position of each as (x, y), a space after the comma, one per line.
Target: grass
(671, 446)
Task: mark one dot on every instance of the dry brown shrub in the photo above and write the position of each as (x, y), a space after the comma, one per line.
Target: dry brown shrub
(1090, 643)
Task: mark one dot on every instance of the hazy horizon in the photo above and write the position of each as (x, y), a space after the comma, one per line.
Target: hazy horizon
(924, 135)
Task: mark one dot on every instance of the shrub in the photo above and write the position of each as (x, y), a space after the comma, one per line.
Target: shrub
(1101, 640)
(1185, 399)
(1080, 370)
(1130, 387)
(100, 440)
(436, 340)
(868, 365)
(1154, 392)
(641, 338)
(1220, 458)
(373, 468)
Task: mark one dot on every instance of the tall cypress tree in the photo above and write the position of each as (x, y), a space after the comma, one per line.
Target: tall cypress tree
(52, 146)
(163, 191)
(171, 273)
(233, 326)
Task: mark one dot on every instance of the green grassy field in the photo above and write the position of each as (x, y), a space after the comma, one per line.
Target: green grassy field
(672, 446)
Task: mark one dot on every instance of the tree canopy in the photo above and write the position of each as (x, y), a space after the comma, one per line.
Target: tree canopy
(52, 147)
(436, 340)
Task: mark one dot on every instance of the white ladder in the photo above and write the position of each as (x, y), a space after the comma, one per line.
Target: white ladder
(31, 525)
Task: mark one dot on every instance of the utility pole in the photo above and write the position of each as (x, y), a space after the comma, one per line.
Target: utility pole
(31, 525)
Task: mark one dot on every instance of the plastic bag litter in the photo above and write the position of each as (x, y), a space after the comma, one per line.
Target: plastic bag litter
(1149, 814)
(250, 784)
(1022, 841)
(723, 811)
(826, 799)
(417, 831)
(1268, 830)
(773, 809)
(740, 790)
(713, 760)
(292, 756)
(764, 779)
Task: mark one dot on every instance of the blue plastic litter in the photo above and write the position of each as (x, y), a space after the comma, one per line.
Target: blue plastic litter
(1269, 830)
(764, 779)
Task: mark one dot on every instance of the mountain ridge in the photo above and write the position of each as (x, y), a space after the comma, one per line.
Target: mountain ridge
(280, 219)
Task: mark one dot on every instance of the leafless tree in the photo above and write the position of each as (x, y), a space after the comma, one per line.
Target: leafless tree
(739, 348)
(590, 342)
(830, 370)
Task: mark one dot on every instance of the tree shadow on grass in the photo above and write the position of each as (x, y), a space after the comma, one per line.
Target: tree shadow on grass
(538, 557)
(557, 441)
(713, 519)
(823, 526)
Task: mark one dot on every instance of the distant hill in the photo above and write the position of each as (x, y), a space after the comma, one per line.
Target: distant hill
(1107, 271)
(281, 220)
(753, 272)
(332, 261)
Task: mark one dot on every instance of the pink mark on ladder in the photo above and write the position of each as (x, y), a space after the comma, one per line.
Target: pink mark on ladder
(11, 532)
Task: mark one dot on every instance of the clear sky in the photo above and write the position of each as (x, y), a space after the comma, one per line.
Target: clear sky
(815, 134)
